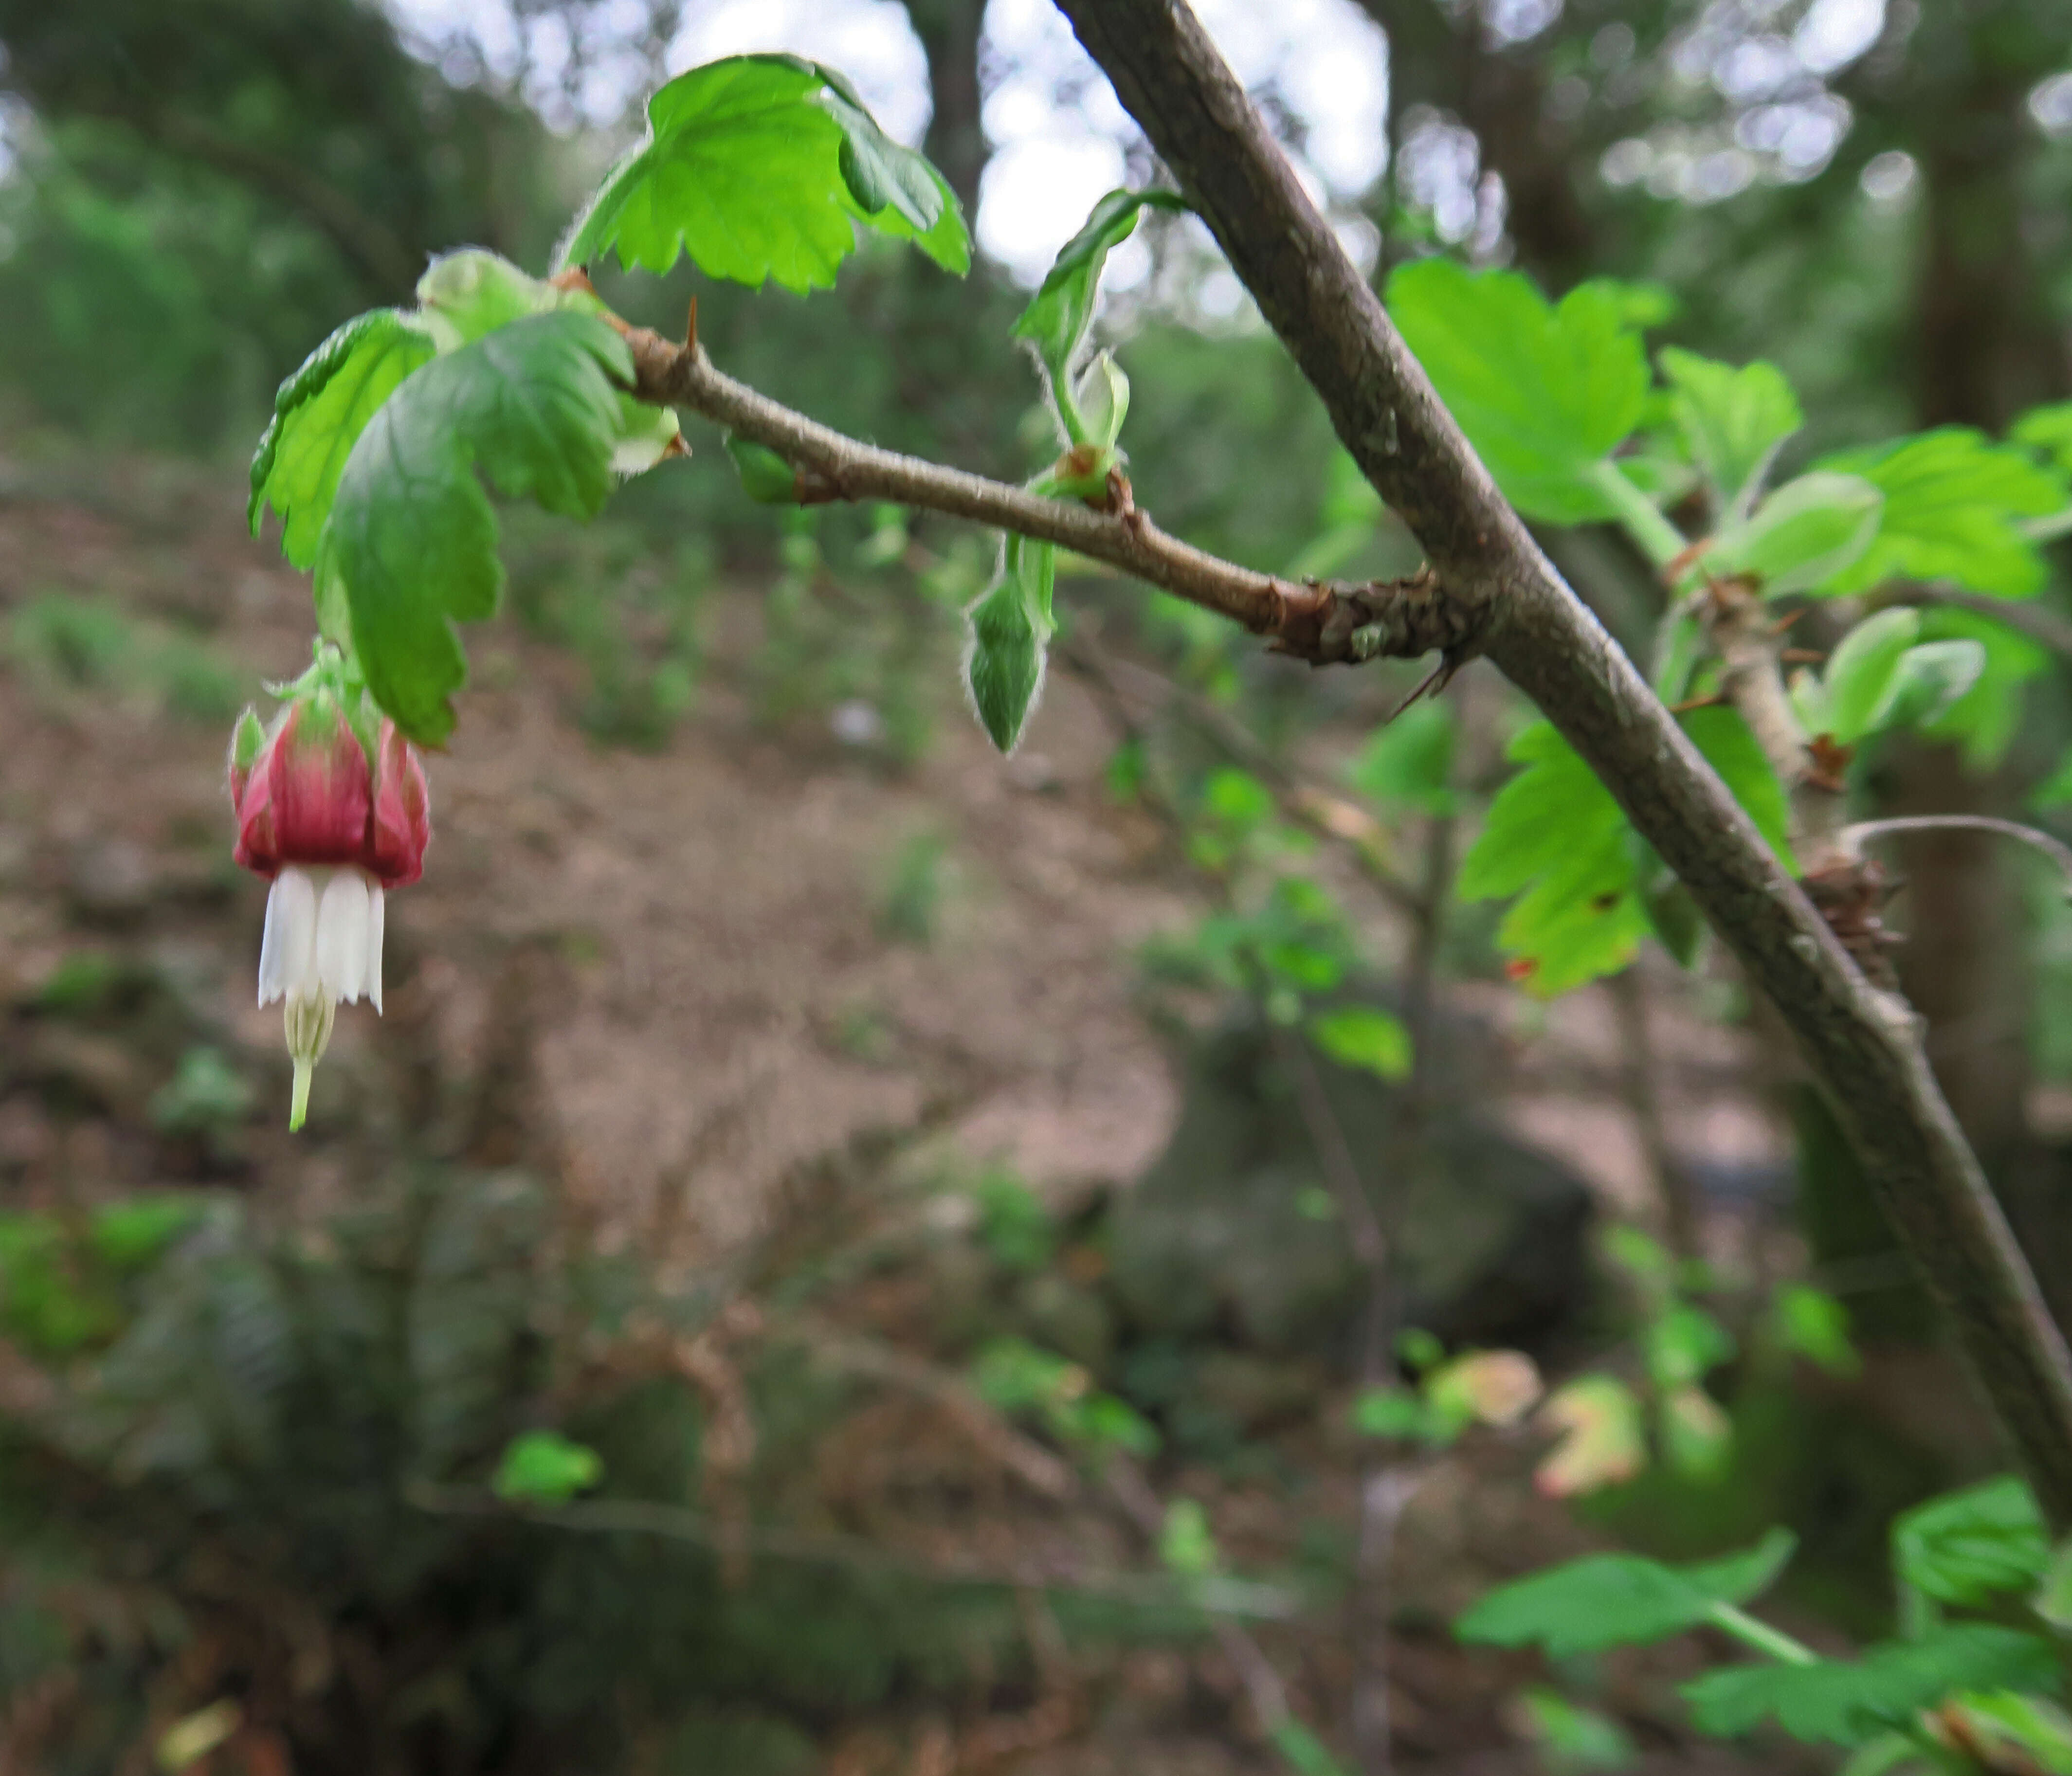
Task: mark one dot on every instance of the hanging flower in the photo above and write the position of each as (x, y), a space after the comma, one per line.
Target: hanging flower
(335, 816)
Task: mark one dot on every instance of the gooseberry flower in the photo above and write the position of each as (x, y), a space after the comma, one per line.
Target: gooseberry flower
(334, 812)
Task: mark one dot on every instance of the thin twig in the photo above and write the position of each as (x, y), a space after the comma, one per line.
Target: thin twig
(1854, 838)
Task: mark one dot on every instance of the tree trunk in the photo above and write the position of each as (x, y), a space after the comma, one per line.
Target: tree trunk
(951, 32)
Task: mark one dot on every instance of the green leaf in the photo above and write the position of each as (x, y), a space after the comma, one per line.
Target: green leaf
(1683, 1344)
(411, 545)
(318, 415)
(1983, 719)
(1554, 836)
(1860, 672)
(1186, 1544)
(1805, 532)
(1696, 1435)
(1810, 1323)
(1732, 422)
(545, 1468)
(2053, 1601)
(1845, 1702)
(1969, 1547)
(1932, 679)
(1010, 625)
(1954, 506)
(766, 477)
(1366, 1038)
(1572, 1738)
(1056, 320)
(2048, 431)
(1303, 1752)
(1730, 749)
(1101, 395)
(758, 168)
(1409, 762)
(1545, 393)
(1619, 1600)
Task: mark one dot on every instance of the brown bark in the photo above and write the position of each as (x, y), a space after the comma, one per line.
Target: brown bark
(1861, 1044)
(951, 33)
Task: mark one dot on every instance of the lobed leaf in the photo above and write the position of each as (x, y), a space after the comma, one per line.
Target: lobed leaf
(1970, 1546)
(1733, 422)
(1604, 1601)
(1844, 1702)
(1364, 1036)
(318, 414)
(1954, 503)
(1545, 393)
(758, 167)
(1806, 530)
(1555, 837)
(410, 548)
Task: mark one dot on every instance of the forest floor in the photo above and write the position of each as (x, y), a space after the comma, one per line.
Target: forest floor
(686, 980)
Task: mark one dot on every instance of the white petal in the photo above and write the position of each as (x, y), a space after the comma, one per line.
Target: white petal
(377, 916)
(288, 946)
(341, 948)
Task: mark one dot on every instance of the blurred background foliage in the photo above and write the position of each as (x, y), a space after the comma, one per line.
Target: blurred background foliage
(281, 1458)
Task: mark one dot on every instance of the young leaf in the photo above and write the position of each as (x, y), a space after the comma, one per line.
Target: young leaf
(1409, 762)
(1397, 1413)
(1603, 1442)
(318, 415)
(1983, 719)
(545, 1468)
(1954, 506)
(1697, 1435)
(1932, 679)
(1810, 1323)
(1683, 1344)
(758, 167)
(1545, 393)
(766, 477)
(1056, 320)
(1861, 670)
(1968, 1547)
(1845, 1702)
(1010, 625)
(1572, 1738)
(1805, 532)
(1619, 1600)
(2048, 431)
(1732, 422)
(1363, 1037)
(411, 545)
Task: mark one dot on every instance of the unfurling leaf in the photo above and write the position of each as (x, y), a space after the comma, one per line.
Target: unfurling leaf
(1056, 320)
(1545, 391)
(1807, 531)
(759, 167)
(1364, 1036)
(1861, 670)
(410, 548)
(1810, 1323)
(1620, 1599)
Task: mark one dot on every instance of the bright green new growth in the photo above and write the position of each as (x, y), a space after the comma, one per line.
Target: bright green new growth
(1805, 531)
(545, 1468)
(1056, 320)
(1364, 1036)
(1954, 506)
(1968, 1547)
(759, 167)
(318, 413)
(1555, 837)
(1620, 1599)
(411, 545)
(1883, 677)
(1545, 393)
(1732, 421)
